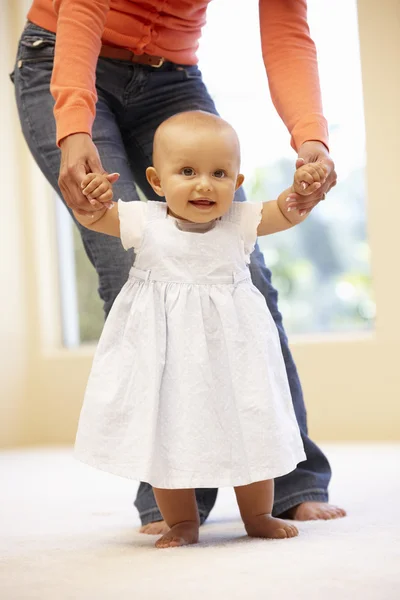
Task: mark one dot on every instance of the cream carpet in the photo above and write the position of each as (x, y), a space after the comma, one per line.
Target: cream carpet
(70, 532)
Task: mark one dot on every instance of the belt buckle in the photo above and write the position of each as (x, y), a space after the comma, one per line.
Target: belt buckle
(160, 62)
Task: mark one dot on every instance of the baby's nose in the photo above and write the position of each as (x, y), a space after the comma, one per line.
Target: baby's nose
(204, 183)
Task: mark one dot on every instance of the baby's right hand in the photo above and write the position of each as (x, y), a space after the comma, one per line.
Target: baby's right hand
(96, 186)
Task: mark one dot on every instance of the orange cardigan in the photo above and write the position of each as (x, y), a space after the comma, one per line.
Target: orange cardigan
(172, 28)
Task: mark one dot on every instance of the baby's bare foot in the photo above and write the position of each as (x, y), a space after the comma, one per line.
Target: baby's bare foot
(181, 534)
(155, 528)
(266, 526)
(312, 511)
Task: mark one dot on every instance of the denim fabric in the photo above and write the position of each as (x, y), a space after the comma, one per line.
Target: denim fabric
(132, 101)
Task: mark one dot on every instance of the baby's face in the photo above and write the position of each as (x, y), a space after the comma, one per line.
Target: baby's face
(199, 173)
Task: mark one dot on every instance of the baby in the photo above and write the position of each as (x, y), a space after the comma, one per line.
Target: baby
(188, 387)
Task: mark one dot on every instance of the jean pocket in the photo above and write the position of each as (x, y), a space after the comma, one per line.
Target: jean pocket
(36, 47)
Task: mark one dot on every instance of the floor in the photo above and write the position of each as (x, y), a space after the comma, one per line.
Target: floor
(70, 532)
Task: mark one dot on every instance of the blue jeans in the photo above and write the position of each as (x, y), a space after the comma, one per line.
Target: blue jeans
(132, 101)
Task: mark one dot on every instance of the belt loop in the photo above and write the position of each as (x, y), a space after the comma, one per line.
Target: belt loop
(147, 276)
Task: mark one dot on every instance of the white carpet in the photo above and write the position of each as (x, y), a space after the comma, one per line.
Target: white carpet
(70, 532)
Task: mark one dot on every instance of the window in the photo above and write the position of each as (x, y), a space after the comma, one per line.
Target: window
(321, 268)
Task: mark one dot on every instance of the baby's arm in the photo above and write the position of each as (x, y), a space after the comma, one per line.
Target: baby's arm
(276, 214)
(99, 187)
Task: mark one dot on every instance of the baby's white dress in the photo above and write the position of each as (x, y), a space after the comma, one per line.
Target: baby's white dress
(188, 386)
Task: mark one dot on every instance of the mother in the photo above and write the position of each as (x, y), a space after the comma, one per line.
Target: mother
(137, 60)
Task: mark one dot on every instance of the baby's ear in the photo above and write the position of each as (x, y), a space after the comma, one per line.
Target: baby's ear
(239, 181)
(154, 180)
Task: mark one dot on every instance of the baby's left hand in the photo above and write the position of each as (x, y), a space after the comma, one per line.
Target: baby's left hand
(96, 186)
(307, 179)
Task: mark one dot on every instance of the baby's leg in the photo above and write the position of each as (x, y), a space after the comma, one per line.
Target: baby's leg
(179, 511)
(255, 503)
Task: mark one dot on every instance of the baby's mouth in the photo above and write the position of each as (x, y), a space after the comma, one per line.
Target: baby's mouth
(202, 202)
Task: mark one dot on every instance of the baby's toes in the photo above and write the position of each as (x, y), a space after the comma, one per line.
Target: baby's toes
(292, 531)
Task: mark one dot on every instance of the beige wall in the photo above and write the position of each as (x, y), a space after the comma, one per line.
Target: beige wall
(351, 384)
(14, 330)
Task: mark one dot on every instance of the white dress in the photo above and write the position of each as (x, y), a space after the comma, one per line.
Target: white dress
(188, 386)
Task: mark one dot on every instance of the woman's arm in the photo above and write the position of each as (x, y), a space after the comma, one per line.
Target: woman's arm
(290, 60)
(80, 25)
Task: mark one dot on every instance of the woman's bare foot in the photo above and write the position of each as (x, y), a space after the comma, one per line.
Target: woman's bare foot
(155, 528)
(181, 534)
(313, 511)
(266, 526)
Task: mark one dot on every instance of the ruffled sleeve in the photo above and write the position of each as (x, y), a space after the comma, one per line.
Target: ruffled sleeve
(132, 220)
(250, 217)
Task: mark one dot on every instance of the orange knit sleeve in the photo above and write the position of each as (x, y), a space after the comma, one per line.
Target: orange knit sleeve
(290, 60)
(80, 25)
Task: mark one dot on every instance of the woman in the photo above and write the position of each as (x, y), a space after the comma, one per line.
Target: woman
(138, 60)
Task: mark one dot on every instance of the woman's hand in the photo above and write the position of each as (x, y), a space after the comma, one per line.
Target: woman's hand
(79, 156)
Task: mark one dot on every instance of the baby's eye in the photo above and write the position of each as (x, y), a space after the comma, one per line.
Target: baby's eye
(187, 171)
(219, 174)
